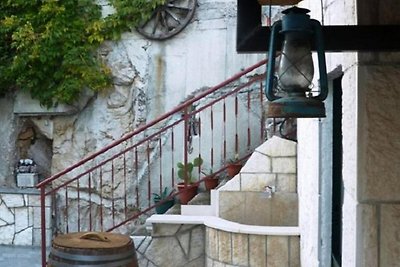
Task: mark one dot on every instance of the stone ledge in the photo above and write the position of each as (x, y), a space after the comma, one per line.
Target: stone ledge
(194, 210)
(225, 225)
(27, 191)
(178, 219)
(24, 105)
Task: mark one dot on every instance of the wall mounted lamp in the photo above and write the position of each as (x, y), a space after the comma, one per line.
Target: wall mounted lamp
(289, 87)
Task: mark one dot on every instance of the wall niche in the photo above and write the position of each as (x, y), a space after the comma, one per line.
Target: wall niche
(34, 142)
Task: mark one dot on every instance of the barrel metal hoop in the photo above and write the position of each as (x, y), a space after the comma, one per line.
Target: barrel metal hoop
(107, 264)
(90, 258)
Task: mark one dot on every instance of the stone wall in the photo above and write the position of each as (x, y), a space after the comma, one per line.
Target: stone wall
(239, 249)
(377, 199)
(379, 171)
(178, 240)
(243, 226)
(274, 163)
(247, 200)
(314, 212)
(149, 79)
(370, 148)
(259, 208)
(20, 218)
(178, 245)
(8, 133)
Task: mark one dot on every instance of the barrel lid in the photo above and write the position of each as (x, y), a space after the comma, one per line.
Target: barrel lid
(92, 240)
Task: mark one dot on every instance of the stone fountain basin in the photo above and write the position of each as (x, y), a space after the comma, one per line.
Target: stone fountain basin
(257, 208)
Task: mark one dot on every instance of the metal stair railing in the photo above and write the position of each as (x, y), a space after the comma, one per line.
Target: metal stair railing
(111, 190)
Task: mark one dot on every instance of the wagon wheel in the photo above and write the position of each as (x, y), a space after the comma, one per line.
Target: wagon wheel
(168, 19)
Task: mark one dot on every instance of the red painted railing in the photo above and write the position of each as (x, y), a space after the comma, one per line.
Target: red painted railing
(111, 190)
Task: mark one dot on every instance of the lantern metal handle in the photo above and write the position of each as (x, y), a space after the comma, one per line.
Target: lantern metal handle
(323, 79)
(269, 86)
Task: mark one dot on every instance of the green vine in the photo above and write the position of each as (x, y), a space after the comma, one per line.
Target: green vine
(49, 47)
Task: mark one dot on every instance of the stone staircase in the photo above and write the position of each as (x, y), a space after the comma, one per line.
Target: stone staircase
(202, 201)
(143, 236)
(208, 230)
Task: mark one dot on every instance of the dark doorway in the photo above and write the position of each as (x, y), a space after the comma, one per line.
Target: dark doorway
(337, 179)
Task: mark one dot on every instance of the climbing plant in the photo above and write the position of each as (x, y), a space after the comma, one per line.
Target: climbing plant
(49, 47)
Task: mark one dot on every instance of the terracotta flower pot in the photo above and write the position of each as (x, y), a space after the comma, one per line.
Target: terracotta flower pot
(211, 182)
(233, 169)
(186, 193)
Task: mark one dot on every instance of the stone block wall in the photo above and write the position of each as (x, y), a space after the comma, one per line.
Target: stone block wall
(371, 156)
(257, 208)
(274, 163)
(238, 249)
(252, 229)
(20, 218)
(378, 200)
(245, 200)
(178, 245)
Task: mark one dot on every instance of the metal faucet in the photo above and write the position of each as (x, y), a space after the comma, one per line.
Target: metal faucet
(269, 190)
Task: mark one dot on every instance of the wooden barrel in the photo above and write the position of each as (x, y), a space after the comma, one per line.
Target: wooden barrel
(93, 249)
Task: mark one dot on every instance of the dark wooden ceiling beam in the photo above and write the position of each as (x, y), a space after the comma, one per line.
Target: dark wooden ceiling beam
(253, 38)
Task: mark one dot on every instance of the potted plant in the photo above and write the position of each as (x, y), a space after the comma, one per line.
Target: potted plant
(211, 180)
(165, 200)
(187, 189)
(234, 166)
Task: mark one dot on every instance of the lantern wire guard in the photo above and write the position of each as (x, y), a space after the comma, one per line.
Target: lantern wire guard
(288, 87)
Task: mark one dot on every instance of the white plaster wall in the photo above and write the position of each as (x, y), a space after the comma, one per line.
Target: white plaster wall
(315, 252)
(308, 185)
(349, 171)
(202, 55)
(314, 138)
(326, 171)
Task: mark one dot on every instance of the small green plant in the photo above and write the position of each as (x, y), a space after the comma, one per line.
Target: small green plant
(234, 160)
(209, 173)
(185, 170)
(163, 201)
(164, 195)
(234, 166)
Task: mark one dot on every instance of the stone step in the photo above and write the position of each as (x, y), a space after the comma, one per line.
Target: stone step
(199, 205)
(175, 209)
(202, 198)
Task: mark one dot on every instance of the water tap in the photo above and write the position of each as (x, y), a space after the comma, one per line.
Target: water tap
(269, 190)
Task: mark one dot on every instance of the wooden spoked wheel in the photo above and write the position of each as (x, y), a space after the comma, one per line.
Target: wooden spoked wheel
(168, 19)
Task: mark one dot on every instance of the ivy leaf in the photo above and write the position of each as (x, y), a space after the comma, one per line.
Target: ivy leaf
(46, 47)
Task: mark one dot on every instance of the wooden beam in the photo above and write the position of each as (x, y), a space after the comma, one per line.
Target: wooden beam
(371, 38)
(253, 38)
(278, 2)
